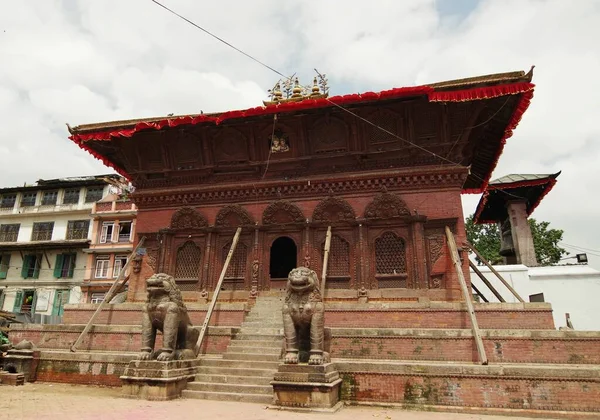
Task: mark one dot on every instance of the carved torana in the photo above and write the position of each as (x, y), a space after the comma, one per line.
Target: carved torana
(386, 206)
(333, 209)
(188, 218)
(281, 213)
(233, 216)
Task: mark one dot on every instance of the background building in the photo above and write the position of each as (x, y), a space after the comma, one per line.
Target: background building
(43, 231)
(113, 230)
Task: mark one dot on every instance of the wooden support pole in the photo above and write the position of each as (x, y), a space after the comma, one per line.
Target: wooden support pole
(493, 270)
(325, 259)
(468, 298)
(213, 302)
(107, 297)
(479, 293)
(486, 281)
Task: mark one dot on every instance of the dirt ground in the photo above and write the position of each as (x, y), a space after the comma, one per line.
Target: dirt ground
(65, 402)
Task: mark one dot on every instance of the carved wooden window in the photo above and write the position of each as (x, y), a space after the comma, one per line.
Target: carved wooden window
(187, 265)
(236, 271)
(390, 260)
(387, 121)
(338, 265)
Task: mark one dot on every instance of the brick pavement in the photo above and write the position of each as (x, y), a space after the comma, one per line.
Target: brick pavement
(42, 401)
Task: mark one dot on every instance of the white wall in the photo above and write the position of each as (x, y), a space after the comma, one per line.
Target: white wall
(572, 289)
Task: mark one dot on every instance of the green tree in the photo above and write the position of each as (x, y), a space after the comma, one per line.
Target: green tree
(486, 239)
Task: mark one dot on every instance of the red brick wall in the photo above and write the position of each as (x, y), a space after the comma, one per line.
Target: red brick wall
(463, 391)
(498, 350)
(113, 316)
(432, 318)
(77, 372)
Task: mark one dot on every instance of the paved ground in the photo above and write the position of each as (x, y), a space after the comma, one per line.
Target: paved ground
(65, 402)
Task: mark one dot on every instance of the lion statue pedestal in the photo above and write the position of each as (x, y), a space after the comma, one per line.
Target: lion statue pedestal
(306, 380)
(163, 373)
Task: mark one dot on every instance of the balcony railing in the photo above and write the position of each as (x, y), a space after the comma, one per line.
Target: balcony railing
(9, 236)
(77, 233)
(125, 238)
(42, 235)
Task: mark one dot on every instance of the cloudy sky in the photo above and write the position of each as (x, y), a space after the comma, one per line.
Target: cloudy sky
(99, 60)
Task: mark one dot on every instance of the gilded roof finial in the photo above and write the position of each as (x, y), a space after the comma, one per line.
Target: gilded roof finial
(297, 91)
(315, 89)
(290, 90)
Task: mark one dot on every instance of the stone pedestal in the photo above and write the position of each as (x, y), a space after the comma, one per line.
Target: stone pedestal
(22, 361)
(307, 387)
(158, 381)
(14, 379)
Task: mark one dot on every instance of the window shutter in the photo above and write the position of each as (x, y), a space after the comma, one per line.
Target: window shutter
(71, 265)
(104, 234)
(18, 301)
(4, 264)
(26, 264)
(58, 265)
(37, 261)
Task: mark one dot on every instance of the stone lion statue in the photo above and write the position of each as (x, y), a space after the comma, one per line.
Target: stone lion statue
(164, 311)
(303, 319)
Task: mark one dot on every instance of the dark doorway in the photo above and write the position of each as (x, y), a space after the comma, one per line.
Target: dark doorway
(283, 257)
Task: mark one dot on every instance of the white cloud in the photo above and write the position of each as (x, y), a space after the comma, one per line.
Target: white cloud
(80, 62)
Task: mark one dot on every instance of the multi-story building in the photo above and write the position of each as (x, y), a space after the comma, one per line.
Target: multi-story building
(44, 229)
(112, 236)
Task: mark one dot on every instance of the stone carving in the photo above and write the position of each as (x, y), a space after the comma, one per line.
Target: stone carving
(233, 216)
(386, 206)
(164, 311)
(303, 319)
(436, 246)
(188, 218)
(333, 210)
(282, 212)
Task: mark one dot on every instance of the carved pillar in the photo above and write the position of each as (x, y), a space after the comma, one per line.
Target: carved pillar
(419, 255)
(306, 248)
(205, 272)
(255, 266)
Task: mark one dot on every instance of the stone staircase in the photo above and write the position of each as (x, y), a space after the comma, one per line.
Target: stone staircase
(247, 367)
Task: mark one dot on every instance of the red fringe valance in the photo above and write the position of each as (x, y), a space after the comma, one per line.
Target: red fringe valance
(486, 92)
(520, 109)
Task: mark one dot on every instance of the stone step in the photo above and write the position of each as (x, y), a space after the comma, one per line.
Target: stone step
(235, 371)
(234, 348)
(237, 388)
(259, 337)
(228, 396)
(259, 331)
(260, 357)
(264, 324)
(235, 379)
(254, 364)
(256, 343)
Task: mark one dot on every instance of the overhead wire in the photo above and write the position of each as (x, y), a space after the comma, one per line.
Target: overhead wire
(333, 103)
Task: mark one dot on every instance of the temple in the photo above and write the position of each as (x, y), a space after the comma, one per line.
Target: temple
(385, 170)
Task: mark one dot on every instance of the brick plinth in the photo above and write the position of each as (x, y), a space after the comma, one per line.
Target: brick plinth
(501, 346)
(509, 386)
(131, 314)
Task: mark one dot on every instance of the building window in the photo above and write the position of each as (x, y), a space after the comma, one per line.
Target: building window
(49, 198)
(125, 231)
(97, 297)
(4, 265)
(390, 261)
(338, 268)
(102, 262)
(9, 233)
(8, 201)
(106, 233)
(187, 265)
(78, 229)
(93, 194)
(31, 266)
(64, 266)
(120, 261)
(28, 199)
(42, 231)
(71, 196)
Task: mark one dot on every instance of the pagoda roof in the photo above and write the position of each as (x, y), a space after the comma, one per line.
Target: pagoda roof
(529, 187)
(482, 88)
